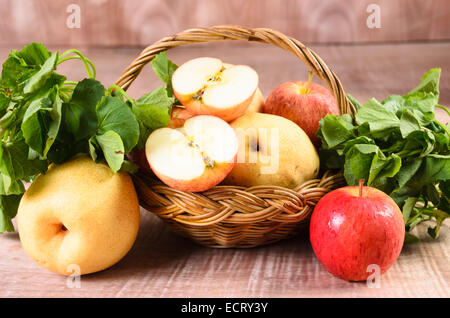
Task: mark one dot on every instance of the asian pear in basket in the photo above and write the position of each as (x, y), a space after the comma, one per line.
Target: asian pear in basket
(195, 157)
(206, 86)
(303, 102)
(79, 215)
(272, 151)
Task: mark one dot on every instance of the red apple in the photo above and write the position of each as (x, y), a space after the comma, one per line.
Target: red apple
(354, 227)
(137, 156)
(303, 102)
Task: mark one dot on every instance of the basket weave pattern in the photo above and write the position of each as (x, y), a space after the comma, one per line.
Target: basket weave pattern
(233, 216)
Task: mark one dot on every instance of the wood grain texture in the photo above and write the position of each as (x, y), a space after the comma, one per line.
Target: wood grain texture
(138, 22)
(162, 264)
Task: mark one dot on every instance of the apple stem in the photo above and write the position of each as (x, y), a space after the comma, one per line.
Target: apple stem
(361, 186)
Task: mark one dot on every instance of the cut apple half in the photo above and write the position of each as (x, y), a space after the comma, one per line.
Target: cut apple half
(195, 157)
(206, 86)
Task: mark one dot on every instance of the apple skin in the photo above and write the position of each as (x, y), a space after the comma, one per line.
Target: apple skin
(305, 107)
(349, 232)
(228, 114)
(210, 178)
(137, 156)
(180, 114)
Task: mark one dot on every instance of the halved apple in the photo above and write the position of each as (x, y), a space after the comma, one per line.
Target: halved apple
(195, 157)
(206, 86)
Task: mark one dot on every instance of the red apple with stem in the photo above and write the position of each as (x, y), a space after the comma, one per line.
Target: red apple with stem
(303, 102)
(354, 227)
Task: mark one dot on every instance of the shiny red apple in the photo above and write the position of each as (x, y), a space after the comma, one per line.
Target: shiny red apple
(354, 227)
(303, 102)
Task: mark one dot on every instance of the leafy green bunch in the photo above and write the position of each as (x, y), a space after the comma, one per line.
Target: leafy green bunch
(399, 147)
(45, 119)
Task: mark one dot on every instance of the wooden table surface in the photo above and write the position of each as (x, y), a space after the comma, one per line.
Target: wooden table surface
(162, 264)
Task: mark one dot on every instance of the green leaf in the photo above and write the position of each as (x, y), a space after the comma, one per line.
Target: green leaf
(444, 203)
(439, 216)
(93, 144)
(379, 118)
(79, 115)
(20, 66)
(423, 102)
(14, 161)
(34, 54)
(330, 159)
(8, 186)
(41, 123)
(433, 170)
(394, 103)
(408, 169)
(430, 194)
(418, 143)
(164, 68)
(115, 115)
(384, 167)
(129, 167)
(335, 130)
(429, 83)
(54, 124)
(8, 210)
(113, 149)
(408, 207)
(354, 101)
(152, 111)
(411, 239)
(358, 162)
(34, 126)
(37, 80)
(4, 103)
(408, 123)
(358, 140)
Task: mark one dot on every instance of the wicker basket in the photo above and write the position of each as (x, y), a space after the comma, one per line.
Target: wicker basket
(233, 216)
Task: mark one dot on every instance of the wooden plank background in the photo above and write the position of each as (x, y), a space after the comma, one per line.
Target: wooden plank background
(141, 22)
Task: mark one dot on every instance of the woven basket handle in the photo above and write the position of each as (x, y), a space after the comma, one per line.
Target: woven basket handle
(232, 32)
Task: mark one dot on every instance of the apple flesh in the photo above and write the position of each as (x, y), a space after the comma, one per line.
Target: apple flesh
(303, 102)
(354, 227)
(207, 86)
(195, 157)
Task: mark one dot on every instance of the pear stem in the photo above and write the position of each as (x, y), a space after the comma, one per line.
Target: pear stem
(361, 186)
